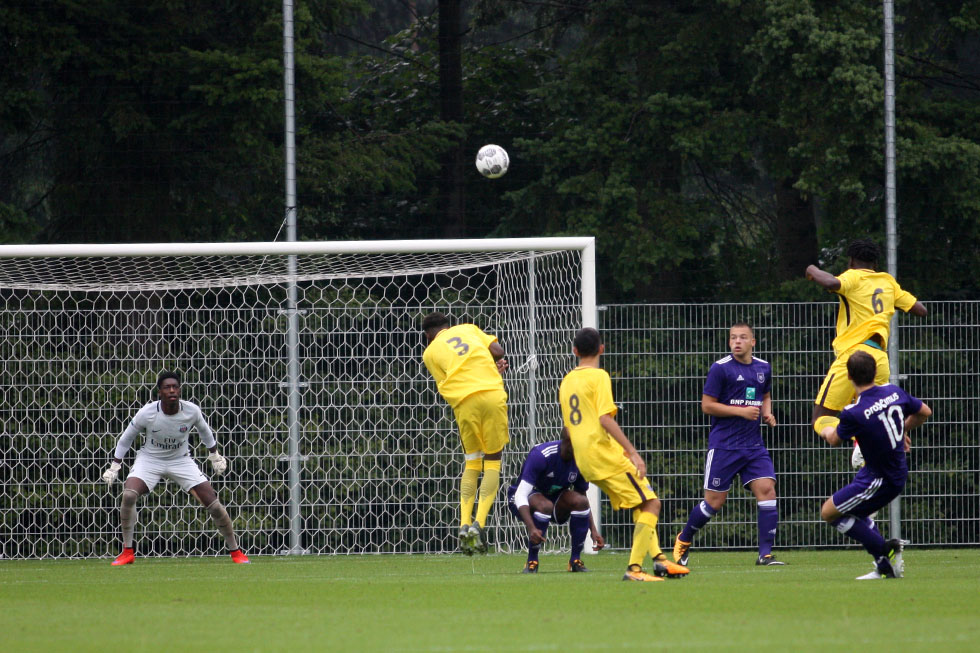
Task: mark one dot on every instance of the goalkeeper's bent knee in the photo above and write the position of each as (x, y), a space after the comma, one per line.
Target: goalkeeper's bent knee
(825, 421)
(128, 498)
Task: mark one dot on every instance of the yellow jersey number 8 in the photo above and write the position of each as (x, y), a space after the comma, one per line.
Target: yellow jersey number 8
(574, 415)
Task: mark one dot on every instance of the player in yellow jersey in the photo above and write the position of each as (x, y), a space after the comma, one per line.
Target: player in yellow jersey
(467, 365)
(868, 300)
(607, 458)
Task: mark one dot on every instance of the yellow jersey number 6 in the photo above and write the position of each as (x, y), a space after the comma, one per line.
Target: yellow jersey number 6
(876, 304)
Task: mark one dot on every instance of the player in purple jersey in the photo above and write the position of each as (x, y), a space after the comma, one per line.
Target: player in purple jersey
(551, 488)
(737, 397)
(879, 420)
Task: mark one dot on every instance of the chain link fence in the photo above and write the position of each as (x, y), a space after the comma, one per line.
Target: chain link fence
(658, 357)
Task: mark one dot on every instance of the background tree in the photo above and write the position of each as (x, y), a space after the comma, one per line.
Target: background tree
(714, 147)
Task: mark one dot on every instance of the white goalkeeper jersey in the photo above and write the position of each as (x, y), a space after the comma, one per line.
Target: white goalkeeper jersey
(165, 435)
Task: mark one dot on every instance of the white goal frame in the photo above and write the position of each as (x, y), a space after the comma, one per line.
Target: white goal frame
(404, 251)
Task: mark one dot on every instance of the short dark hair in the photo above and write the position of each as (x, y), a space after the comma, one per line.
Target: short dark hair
(864, 250)
(587, 341)
(167, 375)
(434, 320)
(745, 324)
(861, 367)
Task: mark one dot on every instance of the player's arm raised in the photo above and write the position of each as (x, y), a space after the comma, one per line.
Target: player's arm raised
(918, 309)
(711, 406)
(824, 279)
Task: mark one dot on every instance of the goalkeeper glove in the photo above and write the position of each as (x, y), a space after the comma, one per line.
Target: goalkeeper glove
(218, 463)
(857, 458)
(111, 475)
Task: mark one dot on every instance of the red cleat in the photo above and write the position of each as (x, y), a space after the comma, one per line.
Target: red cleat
(125, 558)
(239, 558)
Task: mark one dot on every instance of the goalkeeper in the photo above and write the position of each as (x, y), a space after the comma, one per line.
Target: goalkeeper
(166, 425)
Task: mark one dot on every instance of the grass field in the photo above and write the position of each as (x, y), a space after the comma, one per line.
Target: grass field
(454, 603)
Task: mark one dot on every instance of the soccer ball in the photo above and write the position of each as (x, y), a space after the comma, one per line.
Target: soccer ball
(492, 161)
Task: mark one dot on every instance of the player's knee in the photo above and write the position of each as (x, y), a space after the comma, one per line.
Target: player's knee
(579, 502)
(651, 506)
(128, 499)
(715, 499)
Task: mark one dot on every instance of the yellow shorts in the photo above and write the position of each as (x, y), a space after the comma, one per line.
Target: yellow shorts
(482, 419)
(837, 391)
(626, 490)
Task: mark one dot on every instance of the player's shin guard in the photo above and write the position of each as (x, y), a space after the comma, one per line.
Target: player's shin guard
(488, 490)
(127, 516)
(223, 522)
(644, 536)
(541, 522)
(467, 489)
(858, 529)
(700, 515)
(578, 526)
(768, 523)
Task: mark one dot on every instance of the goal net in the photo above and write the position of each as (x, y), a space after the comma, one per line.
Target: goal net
(307, 361)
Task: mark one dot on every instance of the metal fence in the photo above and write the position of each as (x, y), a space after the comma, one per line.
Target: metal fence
(658, 356)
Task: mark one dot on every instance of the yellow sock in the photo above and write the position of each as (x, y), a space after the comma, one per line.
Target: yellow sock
(467, 491)
(488, 490)
(644, 533)
(652, 519)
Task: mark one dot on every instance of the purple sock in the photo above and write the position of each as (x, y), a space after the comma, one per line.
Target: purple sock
(700, 515)
(578, 526)
(859, 529)
(768, 521)
(873, 526)
(541, 522)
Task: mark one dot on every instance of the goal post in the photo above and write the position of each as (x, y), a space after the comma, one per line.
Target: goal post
(337, 439)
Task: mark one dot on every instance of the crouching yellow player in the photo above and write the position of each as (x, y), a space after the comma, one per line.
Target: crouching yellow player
(607, 458)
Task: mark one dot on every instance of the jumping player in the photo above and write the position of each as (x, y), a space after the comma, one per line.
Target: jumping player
(467, 365)
(868, 300)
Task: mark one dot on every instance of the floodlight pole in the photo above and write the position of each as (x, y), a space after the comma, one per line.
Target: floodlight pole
(891, 222)
(292, 315)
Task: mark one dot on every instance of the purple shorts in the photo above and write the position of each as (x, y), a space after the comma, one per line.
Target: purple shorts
(553, 498)
(723, 464)
(865, 494)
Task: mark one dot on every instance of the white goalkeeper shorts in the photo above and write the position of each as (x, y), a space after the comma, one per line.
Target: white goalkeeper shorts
(183, 471)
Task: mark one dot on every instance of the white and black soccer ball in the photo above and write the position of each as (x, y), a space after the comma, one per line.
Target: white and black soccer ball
(492, 161)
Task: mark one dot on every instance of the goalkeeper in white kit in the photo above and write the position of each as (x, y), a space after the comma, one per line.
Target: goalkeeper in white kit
(166, 425)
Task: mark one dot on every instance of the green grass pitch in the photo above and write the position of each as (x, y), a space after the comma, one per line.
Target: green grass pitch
(454, 603)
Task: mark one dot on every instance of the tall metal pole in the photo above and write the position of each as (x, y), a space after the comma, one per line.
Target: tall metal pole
(532, 372)
(292, 329)
(891, 226)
